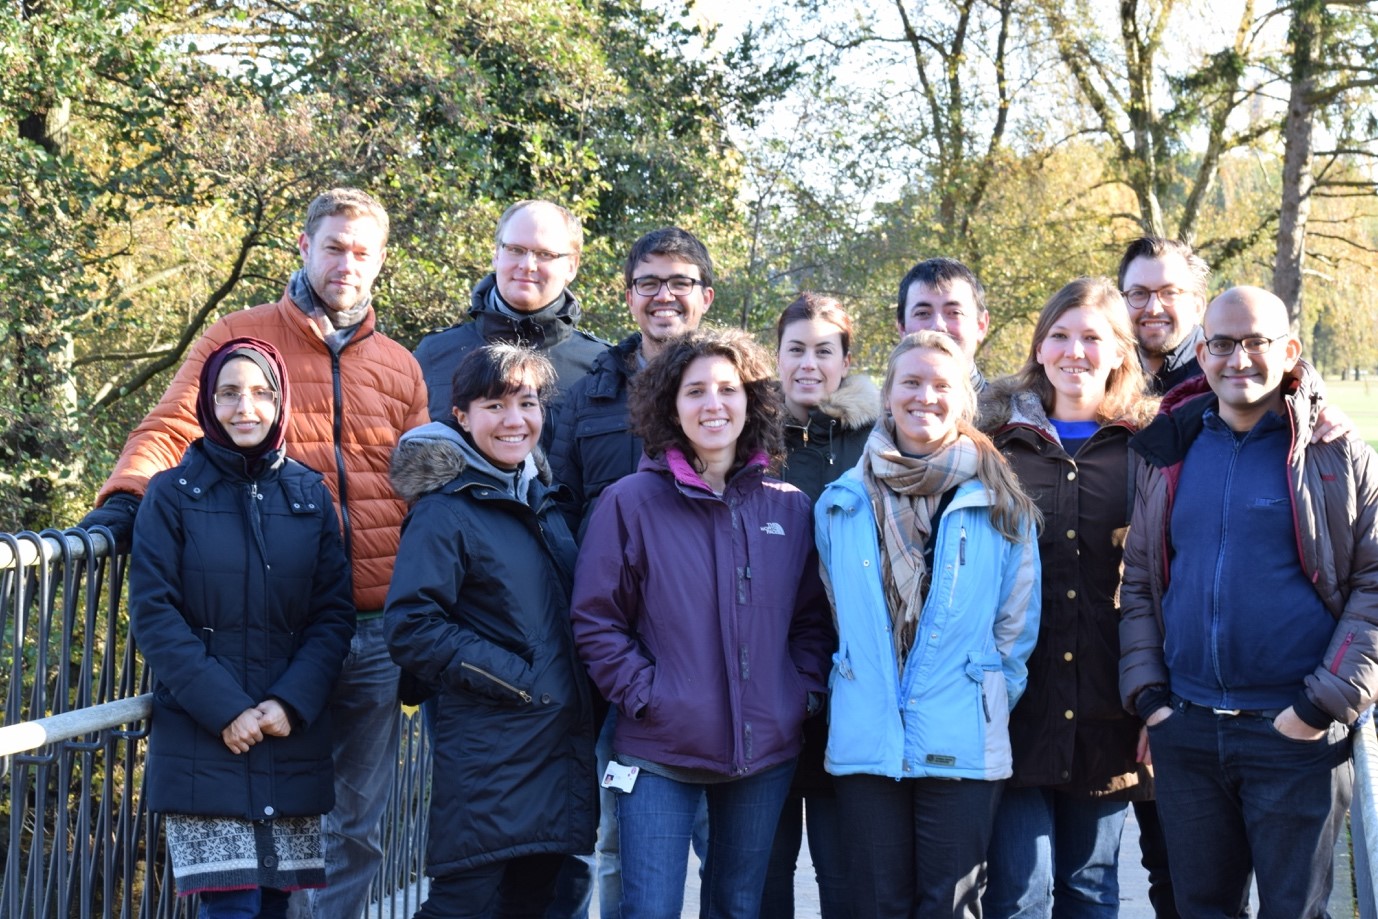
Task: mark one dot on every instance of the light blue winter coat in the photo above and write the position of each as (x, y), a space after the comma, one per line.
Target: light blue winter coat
(947, 714)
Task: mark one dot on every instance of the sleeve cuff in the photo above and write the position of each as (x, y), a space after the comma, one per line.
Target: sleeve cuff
(1311, 713)
(1151, 699)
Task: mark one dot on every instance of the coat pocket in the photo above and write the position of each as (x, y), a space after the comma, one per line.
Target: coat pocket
(984, 670)
(865, 729)
(489, 685)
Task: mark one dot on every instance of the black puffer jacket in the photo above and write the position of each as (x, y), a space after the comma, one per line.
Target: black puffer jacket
(594, 445)
(479, 607)
(834, 438)
(238, 593)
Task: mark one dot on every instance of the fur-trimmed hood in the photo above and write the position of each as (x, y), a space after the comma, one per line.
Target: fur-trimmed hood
(855, 403)
(432, 456)
(834, 437)
(1005, 402)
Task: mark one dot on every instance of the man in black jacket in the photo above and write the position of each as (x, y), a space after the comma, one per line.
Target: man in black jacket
(669, 278)
(669, 283)
(525, 299)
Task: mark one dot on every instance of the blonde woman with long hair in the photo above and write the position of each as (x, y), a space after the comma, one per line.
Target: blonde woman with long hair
(929, 550)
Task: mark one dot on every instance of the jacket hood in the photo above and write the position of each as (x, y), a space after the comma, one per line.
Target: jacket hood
(855, 403)
(1005, 402)
(433, 455)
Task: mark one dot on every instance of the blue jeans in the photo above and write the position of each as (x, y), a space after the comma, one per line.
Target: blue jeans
(916, 848)
(656, 821)
(1054, 855)
(1154, 859)
(367, 721)
(825, 849)
(1237, 795)
(609, 845)
(254, 903)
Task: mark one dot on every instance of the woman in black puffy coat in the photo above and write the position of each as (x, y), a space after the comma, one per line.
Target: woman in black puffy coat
(829, 413)
(239, 602)
(479, 610)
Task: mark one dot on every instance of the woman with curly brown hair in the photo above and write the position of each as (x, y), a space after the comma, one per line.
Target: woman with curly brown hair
(699, 613)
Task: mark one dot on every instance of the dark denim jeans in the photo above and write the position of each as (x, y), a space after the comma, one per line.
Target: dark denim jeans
(916, 847)
(1054, 855)
(825, 850)
(366, 717)
(254, 903)
(656, 821)
(1237, 795)
(514, 888)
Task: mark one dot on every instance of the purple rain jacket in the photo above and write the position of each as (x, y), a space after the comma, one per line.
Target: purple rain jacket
(702, 617)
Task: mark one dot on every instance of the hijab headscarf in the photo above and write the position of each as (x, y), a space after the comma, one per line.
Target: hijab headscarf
(267, 359)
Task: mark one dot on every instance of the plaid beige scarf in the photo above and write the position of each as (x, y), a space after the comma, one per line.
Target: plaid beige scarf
(904, 492)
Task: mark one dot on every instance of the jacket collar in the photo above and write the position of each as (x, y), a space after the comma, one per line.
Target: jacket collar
(614, 368)
(297, 316)
(1165, 442)
(542, 330)
(676, 465)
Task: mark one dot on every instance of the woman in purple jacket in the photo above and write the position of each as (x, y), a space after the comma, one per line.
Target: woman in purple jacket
(699, 613)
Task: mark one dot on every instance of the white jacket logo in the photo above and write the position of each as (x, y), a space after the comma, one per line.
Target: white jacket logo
(773, 529)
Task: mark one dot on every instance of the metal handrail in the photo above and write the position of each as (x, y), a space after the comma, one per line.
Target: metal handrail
(1363, 817)
(32, 550)
(76, 837)
(30, 735)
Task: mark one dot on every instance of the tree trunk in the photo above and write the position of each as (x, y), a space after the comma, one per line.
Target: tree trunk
(1297, 180)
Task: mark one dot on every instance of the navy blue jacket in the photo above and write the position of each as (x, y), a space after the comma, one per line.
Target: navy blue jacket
(479, 609)
(239, 592)
(594, 445)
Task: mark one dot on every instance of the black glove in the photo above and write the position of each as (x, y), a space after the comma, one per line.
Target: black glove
(116, 515)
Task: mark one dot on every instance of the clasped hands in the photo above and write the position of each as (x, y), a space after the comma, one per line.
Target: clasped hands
(267, 718)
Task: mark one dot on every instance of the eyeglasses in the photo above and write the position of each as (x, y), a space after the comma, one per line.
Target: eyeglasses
(1220, 346)
(519, 253)
(649, 285)
(259, 398)
(1167, 296)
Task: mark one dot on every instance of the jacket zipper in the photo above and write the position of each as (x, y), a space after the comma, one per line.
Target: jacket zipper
(337, 435)
(519, 693)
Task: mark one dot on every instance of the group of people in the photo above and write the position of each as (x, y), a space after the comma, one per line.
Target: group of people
(671, 593)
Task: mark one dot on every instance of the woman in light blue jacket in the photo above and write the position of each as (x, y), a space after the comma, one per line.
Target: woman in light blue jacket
(928, 549)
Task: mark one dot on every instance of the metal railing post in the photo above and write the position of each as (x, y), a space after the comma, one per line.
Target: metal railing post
(76, 838)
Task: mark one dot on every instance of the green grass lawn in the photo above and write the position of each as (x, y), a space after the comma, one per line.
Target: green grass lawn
(1359, 400)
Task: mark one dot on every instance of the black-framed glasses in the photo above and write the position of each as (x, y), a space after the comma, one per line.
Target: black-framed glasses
(519, 253)
(1138, 297)
(1221, 346)
(648, 285)
(259, 398)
